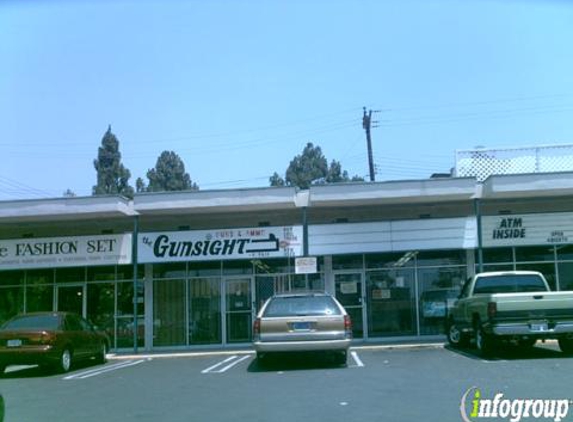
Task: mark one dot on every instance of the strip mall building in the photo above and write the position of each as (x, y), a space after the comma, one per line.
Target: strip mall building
(200, 264)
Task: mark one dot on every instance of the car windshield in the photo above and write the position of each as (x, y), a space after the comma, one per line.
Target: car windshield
(301, 306)
(37, 322)
(509, 284)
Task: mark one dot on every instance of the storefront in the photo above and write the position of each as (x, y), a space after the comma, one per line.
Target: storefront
(394, 254)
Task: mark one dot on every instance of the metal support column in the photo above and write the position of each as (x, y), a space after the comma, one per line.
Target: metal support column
(135, 280)
(477, 210)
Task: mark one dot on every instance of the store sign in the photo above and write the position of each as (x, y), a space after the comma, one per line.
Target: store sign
(527, 229)
(306, 265)
(209, 245)
(65, 251)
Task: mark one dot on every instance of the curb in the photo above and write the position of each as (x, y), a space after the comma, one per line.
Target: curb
(170, 355)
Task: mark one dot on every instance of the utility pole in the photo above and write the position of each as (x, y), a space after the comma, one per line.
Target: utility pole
(367, 124)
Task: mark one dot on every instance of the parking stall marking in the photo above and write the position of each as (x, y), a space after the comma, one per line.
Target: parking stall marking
(356, 359)
(230, 361)
(102, 370)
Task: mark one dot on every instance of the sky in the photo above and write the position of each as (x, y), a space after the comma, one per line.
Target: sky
(237, 88)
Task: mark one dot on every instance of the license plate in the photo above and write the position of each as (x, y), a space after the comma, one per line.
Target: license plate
(301, 326)
(14, 343)
(539, 327)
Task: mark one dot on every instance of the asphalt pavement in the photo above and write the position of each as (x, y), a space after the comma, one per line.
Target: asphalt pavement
(424, 382)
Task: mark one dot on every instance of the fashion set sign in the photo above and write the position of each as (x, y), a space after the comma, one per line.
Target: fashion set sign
(527, 229)
(65, 251)
(209, 245)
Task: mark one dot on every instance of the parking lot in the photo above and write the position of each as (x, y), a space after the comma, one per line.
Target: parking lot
(378, 383)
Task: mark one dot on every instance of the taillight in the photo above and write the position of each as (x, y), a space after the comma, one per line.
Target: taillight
(347, 326)
(257, 329)
(491, 310)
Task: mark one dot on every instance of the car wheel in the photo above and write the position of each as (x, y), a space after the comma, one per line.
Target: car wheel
(340, 358)
(261, 358)
(527, 343)
(566, 345)
(65, 361)
(101, 356)
(485, 343)
(456, 338)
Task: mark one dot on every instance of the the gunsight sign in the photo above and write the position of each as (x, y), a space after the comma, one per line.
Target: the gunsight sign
(209, 245)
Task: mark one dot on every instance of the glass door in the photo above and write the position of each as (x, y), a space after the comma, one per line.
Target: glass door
(239, 309)
(350, 293)
(71, 298)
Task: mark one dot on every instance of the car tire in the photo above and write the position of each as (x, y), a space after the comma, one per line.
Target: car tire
(101, 356)
(527, 343)
(485, 343)
(340, 358)
(456, 337)
(65, 361)
(566, 345)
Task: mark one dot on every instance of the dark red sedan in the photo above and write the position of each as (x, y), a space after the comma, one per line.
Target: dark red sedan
(51, 339)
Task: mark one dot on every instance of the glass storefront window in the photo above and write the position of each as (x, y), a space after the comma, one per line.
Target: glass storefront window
(11, 278)
(124, 316)
(565, 252)
(70, 275)
(169, 313)
(205, 311)
(347, 262)
(496, 267)
(101, 273)
(349, 291)
(439, 287)
(391, 302)
(205, 269)
(273, 266)
(124, 337)
(237, 267)
(11, 302)
(100, 307)
(125, 300)
(40, 298)
(566, 275)
(390, 260)
(494, 255)
(441, 258)
(169, 271)
(39, 277)
(125, 272)
(535, 253)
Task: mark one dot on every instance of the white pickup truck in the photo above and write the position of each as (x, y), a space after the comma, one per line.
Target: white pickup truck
(510, 306)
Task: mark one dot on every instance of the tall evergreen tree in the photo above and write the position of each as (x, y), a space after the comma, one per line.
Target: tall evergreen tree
(311, 168)
(169, 174)
(308, 168)
(112, 176)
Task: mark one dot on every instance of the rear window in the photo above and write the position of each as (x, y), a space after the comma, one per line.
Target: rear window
(35, 322)
(301, 306)
(510, 284)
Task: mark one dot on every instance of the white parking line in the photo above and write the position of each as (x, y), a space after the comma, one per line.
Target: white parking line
(233, 361)
(103, 370)
(356, 359)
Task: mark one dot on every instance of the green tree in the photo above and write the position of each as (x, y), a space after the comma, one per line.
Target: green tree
(140, 185)
(276, 180)
(112, 176)
(308, 168)
(311, 168)
(169, 174)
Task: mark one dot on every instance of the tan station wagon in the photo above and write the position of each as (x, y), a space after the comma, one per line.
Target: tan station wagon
(302, 323)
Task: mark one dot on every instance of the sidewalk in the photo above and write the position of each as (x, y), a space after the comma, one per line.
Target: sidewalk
(431, 342)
